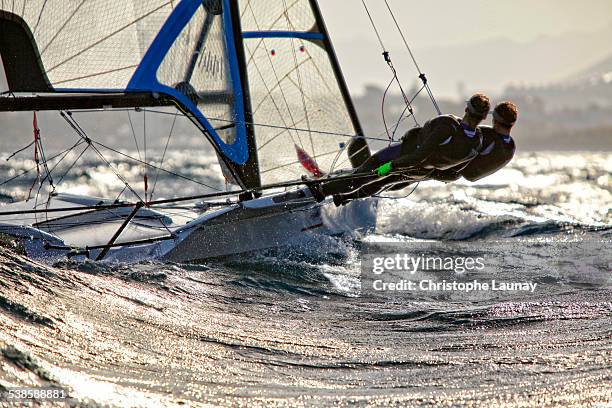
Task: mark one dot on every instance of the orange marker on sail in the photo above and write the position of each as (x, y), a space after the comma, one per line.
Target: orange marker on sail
(308, 162)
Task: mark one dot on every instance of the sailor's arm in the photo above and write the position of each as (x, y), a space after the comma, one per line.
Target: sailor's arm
(438, 134)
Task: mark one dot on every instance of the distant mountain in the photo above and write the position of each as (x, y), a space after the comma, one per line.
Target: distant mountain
(495, 64)
(489, 66)
(588, 88)
(601, 71)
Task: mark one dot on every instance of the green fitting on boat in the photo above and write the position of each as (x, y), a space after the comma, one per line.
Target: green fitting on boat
(384, 169)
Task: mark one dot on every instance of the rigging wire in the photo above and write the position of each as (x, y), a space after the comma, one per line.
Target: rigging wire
(161, 163)
(86, 139)
(144, 135)
(395, 77)
(73, 164)
(63, 152)
(133, 133)
(81, 133)
(297, 129)
(154, 167)
(422, 76)
(264, 125)
(273, 186)
(278, 80)
(300, 86)
(380, 41)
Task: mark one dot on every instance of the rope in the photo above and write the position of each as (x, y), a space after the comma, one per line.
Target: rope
(36, 159)
(43, 155)
(422, 76)
(395, 78)
(20, 150)
(401, 117)
(401, 197)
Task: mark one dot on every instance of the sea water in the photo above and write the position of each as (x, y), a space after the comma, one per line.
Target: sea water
(296, 327)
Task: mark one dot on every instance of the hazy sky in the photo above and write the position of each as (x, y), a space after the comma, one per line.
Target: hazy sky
(566, 29)
(559, 37)
(451, 22)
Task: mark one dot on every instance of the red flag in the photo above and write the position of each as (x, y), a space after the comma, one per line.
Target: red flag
(308, 162)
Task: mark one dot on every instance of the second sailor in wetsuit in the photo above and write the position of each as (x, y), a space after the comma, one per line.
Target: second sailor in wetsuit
(497, 148)
(442, 143)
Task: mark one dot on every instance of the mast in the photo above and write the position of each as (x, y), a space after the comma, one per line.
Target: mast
(250, 170)
(358, 149)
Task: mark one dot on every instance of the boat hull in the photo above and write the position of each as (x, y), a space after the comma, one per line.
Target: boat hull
(240, 232)
(283, 219)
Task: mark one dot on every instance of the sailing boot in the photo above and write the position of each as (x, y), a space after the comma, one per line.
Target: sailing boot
(315, 189)
(341, 199)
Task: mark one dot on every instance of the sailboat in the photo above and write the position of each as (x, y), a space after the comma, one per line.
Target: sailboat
(258, 78)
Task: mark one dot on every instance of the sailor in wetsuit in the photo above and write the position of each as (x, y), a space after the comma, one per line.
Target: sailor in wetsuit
(443, 143)
(497, 148)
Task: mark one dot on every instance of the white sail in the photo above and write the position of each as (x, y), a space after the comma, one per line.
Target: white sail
(295, 89)
(91, 44)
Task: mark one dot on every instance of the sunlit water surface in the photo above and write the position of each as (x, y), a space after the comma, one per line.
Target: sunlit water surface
(291, 327)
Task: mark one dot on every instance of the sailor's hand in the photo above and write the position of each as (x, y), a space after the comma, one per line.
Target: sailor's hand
(384, 170)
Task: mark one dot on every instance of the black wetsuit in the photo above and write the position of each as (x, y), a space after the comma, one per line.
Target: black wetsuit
(497, 151)
(442, 143)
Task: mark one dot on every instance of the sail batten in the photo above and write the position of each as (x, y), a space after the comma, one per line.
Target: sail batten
(303, 35)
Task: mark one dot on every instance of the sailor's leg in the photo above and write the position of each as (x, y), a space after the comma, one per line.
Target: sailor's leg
(392, 183)
(400, 186)
(362, 175)
(369, 189)
(358, 151)
(446, 176)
